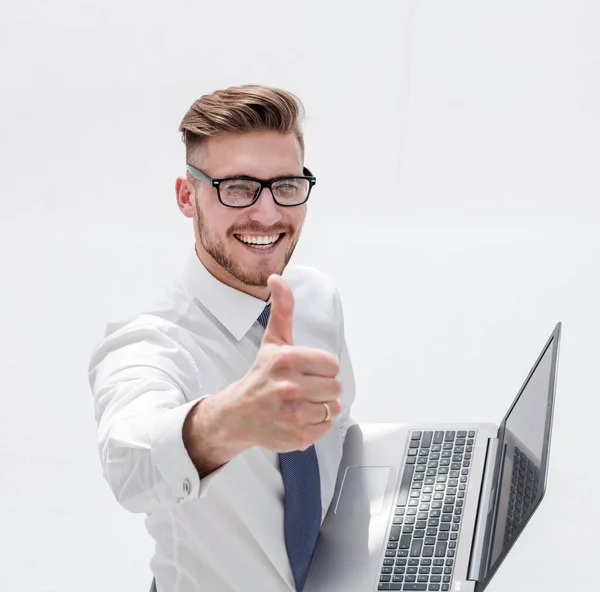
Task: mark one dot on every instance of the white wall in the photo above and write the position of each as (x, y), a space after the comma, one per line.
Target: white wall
(465, 138)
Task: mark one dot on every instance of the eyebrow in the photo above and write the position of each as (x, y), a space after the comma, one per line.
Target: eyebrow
(254, 177)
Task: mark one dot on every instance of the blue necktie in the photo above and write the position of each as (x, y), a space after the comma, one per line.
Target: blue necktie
(302, 486)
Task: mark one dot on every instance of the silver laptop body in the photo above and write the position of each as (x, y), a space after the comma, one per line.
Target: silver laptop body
(423, 524)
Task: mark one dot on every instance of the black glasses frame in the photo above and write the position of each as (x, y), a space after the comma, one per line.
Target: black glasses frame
(202, 176)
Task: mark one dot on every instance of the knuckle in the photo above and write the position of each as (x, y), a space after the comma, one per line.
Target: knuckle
(335, 366)
(293, 412)
(336, 407)
(337, 388)
(288, 390)
(284, 359)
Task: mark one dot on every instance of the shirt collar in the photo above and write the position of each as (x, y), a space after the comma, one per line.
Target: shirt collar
(235, 310)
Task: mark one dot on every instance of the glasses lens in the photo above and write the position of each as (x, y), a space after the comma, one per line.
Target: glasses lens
(238, 192)
(291, 191)
(241, 192)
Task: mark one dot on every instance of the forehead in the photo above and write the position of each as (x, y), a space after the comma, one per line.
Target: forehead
(263, 154)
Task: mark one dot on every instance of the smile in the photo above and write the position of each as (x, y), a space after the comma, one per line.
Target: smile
(259, 243)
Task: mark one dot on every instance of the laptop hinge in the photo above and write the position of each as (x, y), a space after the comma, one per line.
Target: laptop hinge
(476, 565)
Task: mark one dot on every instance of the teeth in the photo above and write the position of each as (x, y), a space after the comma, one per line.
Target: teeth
(258, 240)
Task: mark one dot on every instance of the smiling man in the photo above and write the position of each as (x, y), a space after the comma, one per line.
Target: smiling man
(222, 410)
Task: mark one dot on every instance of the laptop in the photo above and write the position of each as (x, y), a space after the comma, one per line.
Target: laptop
(437, 507)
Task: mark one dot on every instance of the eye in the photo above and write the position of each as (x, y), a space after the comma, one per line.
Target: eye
(237, 186)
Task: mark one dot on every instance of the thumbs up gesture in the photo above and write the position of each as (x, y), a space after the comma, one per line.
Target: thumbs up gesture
(280, 399)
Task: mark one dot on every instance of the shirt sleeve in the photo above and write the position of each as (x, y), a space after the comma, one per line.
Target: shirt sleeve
(144, 384)
(346, 377)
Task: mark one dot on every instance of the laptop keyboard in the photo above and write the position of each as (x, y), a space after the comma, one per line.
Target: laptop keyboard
(423, 537)
(524, 490)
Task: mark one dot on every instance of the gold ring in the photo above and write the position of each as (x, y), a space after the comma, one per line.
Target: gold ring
(328, 412)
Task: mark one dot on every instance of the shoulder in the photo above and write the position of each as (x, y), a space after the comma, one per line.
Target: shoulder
(309, 282)
(318, 321)
(161, 312)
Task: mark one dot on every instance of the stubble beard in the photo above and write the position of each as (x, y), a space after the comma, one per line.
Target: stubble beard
(216, 248)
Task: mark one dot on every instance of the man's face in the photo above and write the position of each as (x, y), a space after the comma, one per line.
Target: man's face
(264, 155)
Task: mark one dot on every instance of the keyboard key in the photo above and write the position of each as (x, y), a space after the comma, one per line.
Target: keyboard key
(417, 546)
(438, 437)
(404, 541)
(405, 485)
(471, 433)
(440, 549)
(426, 441)
(416, 436)
(419, 587)
(449, 437)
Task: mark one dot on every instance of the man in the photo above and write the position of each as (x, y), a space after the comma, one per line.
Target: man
(222, 411)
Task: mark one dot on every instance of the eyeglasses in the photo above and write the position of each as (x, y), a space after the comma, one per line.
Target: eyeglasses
(241, 192)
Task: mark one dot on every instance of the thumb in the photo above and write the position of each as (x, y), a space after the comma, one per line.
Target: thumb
(279, 327)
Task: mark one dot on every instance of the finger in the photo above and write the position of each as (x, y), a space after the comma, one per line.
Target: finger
(279, 327)
(318, 413)
(311, 361)
(319, 390)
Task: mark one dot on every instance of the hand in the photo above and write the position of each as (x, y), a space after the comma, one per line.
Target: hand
(281, 397)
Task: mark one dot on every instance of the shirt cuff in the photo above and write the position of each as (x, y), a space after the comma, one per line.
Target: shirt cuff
(170, 455)
(172, 460)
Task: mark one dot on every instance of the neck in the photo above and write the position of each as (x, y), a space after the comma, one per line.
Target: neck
(226, 278)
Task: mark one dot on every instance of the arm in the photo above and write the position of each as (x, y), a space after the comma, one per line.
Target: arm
(144, 386)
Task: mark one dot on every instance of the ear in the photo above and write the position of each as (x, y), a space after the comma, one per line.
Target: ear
(184, 191)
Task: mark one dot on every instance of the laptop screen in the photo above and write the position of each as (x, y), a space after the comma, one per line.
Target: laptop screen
(523, 440)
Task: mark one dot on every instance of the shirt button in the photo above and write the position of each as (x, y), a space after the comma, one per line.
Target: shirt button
(186, 486)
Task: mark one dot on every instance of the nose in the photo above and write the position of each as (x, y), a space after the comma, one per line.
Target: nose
(264, 209)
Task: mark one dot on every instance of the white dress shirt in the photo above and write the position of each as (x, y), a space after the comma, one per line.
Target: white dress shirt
(225, 532)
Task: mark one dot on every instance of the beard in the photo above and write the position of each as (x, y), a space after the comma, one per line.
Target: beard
(216, 247)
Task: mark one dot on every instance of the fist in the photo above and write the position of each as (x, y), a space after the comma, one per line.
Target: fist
(282, 394)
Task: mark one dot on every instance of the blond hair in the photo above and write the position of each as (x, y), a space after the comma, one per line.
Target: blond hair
(240, 109)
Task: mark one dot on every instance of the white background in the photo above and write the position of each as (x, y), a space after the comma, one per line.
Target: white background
(456, 145)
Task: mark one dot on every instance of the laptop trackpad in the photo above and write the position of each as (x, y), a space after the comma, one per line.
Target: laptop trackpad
(363, 490)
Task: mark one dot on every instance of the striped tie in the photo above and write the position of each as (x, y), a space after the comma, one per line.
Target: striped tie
(302, 486)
